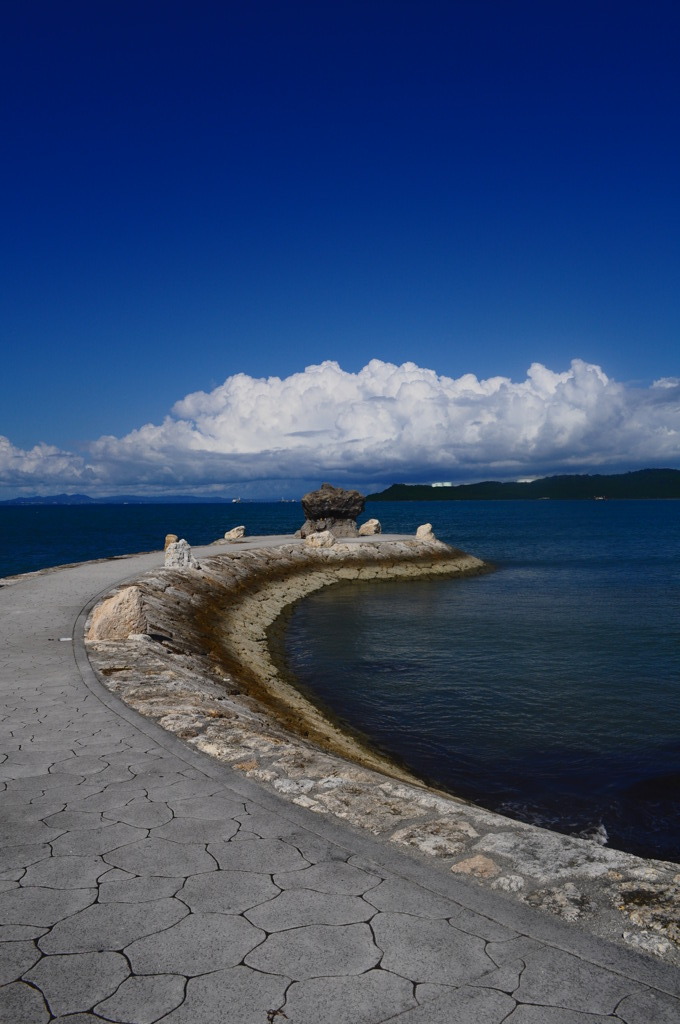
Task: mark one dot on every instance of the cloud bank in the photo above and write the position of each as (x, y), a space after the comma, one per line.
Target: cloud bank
(383, 424)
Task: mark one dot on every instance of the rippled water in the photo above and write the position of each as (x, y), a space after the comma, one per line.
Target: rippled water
(549, 690)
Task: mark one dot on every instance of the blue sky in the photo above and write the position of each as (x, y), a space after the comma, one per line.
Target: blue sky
(196, 191)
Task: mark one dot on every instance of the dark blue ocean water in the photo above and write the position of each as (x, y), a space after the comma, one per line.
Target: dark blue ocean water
(38, 536)
(549, 689)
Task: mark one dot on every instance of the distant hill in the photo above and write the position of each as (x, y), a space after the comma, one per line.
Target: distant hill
(123, 499)
(644, 483)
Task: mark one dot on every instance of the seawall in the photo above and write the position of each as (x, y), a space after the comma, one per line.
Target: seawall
(195, 654)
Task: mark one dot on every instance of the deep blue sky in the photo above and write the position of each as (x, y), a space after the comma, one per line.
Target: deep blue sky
(196, 189)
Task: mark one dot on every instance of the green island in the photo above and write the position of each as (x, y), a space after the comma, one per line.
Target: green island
(643, 483)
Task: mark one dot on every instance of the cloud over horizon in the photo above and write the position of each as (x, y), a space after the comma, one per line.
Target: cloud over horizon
(384, 424)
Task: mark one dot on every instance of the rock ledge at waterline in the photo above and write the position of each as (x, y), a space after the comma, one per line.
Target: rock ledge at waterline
(194, 654)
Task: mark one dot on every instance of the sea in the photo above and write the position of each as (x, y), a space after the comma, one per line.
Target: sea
(547, 690)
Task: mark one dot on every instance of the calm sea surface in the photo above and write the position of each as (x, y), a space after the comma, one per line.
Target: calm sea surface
(549, 689)
(37, 536)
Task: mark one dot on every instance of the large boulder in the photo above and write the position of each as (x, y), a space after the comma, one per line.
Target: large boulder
(236, 534)
(179, 556)
(332, 508)
(370, 528)
(425, 532)
(118, 616)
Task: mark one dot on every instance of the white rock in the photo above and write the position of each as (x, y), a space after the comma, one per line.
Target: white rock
(178, 556)
(424, 532)
(236, 533)
(119, 616)
(370, 528)
(324, 539)
(509, 883)
(648, 941)
(551, 857)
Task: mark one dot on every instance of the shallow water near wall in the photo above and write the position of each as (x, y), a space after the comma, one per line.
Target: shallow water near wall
(548, 690)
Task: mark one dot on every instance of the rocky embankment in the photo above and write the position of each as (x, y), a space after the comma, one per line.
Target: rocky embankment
(192, 648)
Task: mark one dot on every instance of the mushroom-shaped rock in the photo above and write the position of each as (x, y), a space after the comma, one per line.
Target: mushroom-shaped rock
(118, 616)
(324, 539)
(370, 528)
(425, 533)
(236, 534)
(178, 556)
(332, 508)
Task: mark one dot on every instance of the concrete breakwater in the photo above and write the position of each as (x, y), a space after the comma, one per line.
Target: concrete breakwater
(191, 648)
(228, 611)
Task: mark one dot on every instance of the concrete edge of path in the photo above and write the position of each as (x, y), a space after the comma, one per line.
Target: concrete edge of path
(495, 906)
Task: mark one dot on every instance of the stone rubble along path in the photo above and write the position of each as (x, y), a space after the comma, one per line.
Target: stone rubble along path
(142, 881)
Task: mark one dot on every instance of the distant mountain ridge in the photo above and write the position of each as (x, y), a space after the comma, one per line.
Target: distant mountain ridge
(123, 499)
(642, 483)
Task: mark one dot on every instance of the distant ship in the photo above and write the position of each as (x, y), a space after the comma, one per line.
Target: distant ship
(235, 501)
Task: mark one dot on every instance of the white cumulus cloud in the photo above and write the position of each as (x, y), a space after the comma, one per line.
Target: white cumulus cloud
(39, 465)
(385, 423)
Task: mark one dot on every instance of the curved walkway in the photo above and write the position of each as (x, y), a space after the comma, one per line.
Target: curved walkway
(140, 881)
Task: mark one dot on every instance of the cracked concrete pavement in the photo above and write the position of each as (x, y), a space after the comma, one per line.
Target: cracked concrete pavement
(141, 881)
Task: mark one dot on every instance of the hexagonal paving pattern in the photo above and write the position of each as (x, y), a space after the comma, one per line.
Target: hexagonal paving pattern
(139, 883)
